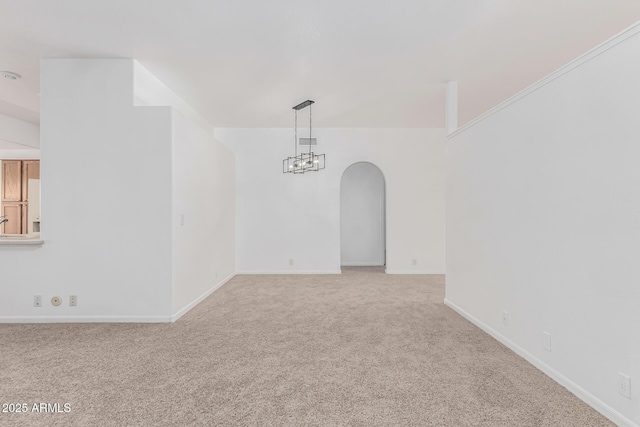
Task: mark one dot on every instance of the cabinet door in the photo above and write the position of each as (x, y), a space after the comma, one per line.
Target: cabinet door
(12, 180)
(30, 170)
(13, 212)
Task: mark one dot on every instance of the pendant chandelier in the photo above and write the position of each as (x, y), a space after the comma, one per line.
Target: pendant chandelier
(307, 161)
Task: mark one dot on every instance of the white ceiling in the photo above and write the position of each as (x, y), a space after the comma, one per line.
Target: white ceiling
(366, 63)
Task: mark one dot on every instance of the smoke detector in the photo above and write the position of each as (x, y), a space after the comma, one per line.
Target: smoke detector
(10, 75)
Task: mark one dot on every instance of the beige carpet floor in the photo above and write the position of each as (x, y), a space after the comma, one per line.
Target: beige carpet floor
(359, 349)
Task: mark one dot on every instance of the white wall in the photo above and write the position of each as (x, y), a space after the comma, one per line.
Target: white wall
(543, 221)
(10, 154)
(150, 91)
(282, 217)
(116, 179)
(203, 198)
(106, 202)
(17, 131)
(204, 213)
(362, 223)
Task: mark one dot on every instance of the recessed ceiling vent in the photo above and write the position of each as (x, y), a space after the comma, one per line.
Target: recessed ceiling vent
(307, 141)
(10, 75)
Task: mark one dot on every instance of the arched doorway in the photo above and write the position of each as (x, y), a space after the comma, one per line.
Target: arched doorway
(362, 216)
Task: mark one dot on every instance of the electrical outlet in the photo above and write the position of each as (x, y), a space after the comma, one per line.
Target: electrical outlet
(546, 341)
(73, 300)
(624, 385)
(37, 300)
(290, 261)
(56, 301)
(414, 261)
(505, 317)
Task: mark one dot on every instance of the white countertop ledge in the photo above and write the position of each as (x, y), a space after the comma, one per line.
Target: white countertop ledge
(7, 241)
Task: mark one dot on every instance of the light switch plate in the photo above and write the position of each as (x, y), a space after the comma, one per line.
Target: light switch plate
(624, 385)
(546, 341)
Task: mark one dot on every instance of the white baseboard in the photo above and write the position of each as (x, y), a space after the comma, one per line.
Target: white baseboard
(290, 272)
(392, 271)
(362, 264)
(198, 300)
(85, 319)
(581, 393)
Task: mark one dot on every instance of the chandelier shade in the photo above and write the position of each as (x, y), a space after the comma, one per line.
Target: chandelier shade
(304, 162)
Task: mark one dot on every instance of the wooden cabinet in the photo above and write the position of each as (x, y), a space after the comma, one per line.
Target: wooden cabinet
(13, 212)
(12, 181)
(15, 189)
(30, 170)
